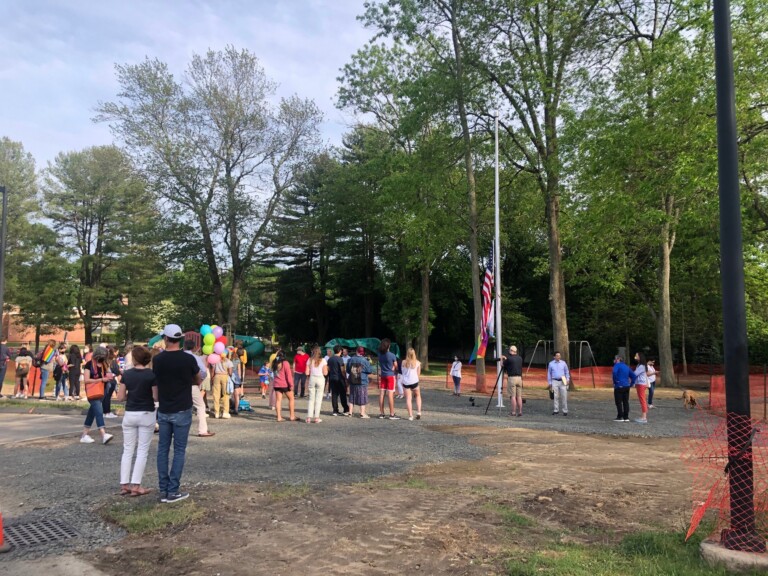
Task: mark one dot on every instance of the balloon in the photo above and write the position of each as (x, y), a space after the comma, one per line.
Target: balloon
(207, 349)
(214, 326)
(217, 331)
(205, 329)
(209, 339)
(214, 358)
(219, 348)
(222, 339)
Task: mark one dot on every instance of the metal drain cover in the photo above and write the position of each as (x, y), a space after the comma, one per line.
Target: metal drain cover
(38, 532)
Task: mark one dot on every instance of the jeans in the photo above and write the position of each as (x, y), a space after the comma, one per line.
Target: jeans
(456, 384)
(44, 374)
(74, 382)
(174, 427)
(299, 383)
(621, 398)
(339, 389)
(651, 388)
(61, 385)
(94, 411)
(3, 370)
(138, 429)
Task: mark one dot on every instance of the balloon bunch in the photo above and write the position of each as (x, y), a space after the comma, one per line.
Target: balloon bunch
(214, 342)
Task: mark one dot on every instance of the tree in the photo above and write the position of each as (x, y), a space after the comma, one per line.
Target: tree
(102, 212)
(17, 174)
(218, 152)
(50, 285)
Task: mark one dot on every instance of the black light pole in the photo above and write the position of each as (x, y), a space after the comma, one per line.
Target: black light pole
(3, 234)
(742, 534)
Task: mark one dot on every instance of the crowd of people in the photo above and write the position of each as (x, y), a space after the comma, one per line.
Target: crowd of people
(160, 387)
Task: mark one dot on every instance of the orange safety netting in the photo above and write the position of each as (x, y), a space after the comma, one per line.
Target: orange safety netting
(715, 467)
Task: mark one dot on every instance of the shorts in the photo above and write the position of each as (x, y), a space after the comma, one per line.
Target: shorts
(387, 383)
(515, 384)
(411, 386)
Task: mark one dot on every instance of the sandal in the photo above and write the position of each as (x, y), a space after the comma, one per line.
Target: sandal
(139, 491)
(295, 419)
(125, 490)
(317, 420)
(309, 420)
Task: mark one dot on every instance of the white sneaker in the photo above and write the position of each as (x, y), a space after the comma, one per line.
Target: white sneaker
(226, 415)
(110, 415)
(86, 439)
(58, 398)
(105, 439)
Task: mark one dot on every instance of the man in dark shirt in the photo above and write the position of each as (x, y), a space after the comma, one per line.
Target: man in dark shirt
(5, 357)
(337, 378)
(176, 372)
(513, 365)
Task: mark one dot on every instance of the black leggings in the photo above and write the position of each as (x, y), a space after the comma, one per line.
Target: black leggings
(74, 383)
(621, 397)
(106, 403)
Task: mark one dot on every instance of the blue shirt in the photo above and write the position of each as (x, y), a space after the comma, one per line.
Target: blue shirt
(556, 370)
(365, 370)
(642, 377)
(623, 377)
(387, 364)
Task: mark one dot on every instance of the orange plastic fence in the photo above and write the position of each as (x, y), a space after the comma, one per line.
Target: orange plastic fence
(758, 394)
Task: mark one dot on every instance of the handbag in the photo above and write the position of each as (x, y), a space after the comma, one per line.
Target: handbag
(230, 385)
(551, 393)
(94, 390)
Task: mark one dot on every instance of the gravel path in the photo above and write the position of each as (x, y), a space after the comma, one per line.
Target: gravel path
(59, 478)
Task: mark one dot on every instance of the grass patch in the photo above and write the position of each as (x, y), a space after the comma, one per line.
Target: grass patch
(643, 554)
(510, 518)
(40, 406)
(289, 491)
(145, 518)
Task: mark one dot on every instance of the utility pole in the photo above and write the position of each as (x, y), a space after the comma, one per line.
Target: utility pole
(742, 534)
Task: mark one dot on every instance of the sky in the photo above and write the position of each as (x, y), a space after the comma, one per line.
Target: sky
(57, 57)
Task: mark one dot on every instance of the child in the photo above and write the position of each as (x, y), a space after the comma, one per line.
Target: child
(265, 375)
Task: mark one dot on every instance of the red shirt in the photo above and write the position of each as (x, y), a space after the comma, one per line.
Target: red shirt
(300, 362)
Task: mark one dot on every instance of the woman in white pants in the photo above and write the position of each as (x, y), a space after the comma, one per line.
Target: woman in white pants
(138, 389)
(317, 370)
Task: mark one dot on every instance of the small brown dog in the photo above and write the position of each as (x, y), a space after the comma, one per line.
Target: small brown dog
(689, 399)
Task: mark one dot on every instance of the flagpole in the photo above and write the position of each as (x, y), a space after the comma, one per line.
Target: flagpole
(497, 268)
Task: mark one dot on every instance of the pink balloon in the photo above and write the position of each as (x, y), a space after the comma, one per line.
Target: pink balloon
(219, 348)
(218, 331)
(214, 358)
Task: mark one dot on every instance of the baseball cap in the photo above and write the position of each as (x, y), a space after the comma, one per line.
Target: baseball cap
(172, 331)
(513, 348)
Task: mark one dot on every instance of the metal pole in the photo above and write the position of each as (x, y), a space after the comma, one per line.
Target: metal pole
(497, 268)
(3, 235)
(742, 534)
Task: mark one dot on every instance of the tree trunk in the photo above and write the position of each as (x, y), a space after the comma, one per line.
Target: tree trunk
(556, 280)
(471, 190)
(663, 324)
(234, 304)
(370, 279)
(424, 325)
(682, 339)
(213, 270)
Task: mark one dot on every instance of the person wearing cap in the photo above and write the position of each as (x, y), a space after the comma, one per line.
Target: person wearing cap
(623, 379)
(300, 371)
(197, 395)
(96, 371)
(558, 376)
(357, 370)
(513, 366)
(176, 373)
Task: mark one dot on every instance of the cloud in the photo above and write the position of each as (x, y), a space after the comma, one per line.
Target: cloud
(57, 58)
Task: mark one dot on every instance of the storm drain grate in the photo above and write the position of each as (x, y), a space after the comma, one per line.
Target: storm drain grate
(38, 532)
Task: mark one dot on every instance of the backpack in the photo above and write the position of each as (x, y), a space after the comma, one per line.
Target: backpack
(355, 373)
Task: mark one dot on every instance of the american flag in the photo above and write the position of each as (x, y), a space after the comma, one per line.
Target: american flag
(487, 324)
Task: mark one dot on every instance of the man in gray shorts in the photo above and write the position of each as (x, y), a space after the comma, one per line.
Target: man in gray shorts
(513, 365)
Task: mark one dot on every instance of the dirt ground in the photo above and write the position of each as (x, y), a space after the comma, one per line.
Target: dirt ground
(453, 518)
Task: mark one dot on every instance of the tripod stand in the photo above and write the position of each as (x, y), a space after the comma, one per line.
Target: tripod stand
(500, 406)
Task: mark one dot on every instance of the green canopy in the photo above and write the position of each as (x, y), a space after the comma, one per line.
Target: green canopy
(370, 344)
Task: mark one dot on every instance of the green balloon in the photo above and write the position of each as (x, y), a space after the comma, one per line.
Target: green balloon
(209, 339)
(208, 349)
